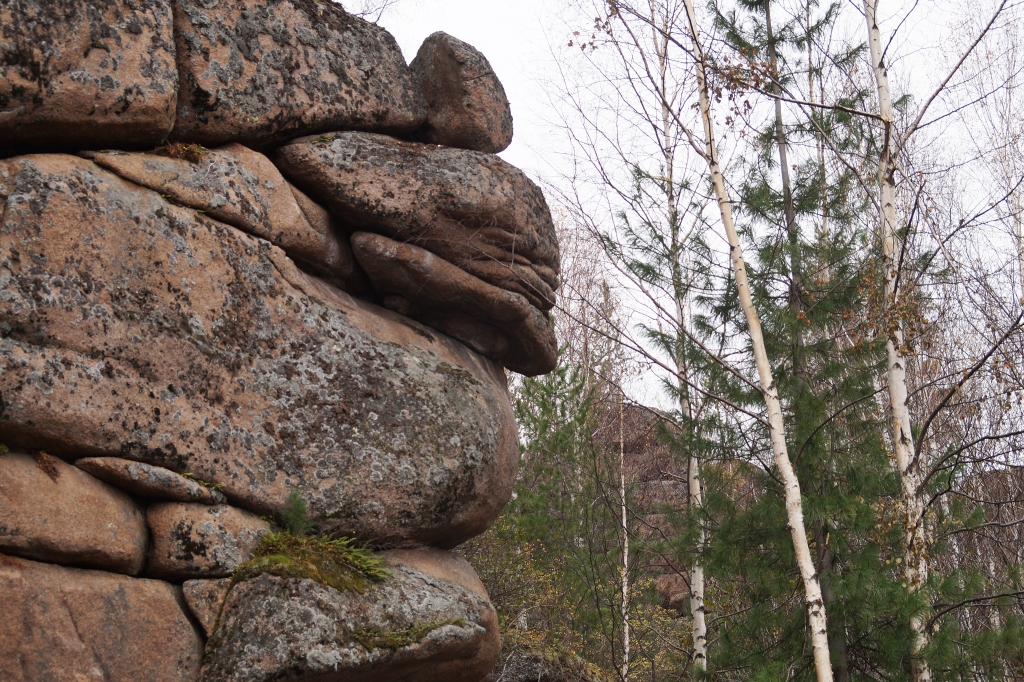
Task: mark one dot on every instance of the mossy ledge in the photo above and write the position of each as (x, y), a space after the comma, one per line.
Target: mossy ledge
(336, 562)
(382, 639)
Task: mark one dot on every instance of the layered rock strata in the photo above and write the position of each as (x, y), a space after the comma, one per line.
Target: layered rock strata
(296, 338)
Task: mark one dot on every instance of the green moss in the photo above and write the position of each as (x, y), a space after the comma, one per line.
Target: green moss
(382, 639)
(338, 563)
(206, 484)
(323, 139)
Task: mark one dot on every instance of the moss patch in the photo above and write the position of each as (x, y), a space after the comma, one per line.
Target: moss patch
(382, 639)
(338, 563)
(193, 153)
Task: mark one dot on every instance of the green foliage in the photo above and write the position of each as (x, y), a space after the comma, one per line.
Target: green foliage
(339, 563)
(374, 638)
(294, 518)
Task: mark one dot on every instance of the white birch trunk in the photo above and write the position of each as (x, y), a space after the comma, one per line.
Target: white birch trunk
(794, 505)
(698, 619)
(915, 559)
(696, 500)
(625, 549)
(700, 627)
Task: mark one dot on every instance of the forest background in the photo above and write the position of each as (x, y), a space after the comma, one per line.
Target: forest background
(783, 440)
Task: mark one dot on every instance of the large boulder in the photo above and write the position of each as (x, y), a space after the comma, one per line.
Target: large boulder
(199, 541)
(72, 625)
(466, 104)
(243, 188)
(52, 511)
(494, 322)
(263, 72)
(84, 75)
(143, 330)
(429, 620)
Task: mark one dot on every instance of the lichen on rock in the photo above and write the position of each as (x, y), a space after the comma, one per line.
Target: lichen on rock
(426, 620)
(146, 331)
(206, 341)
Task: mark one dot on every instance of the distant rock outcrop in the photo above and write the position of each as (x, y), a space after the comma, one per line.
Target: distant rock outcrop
(194, 350)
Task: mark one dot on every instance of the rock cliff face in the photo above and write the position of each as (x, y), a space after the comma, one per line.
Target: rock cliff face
(305, 324)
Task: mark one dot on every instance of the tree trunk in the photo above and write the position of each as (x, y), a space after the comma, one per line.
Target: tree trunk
(794, 505)
(837, 636)
(679, 288)
(625, 548)
(915, 560)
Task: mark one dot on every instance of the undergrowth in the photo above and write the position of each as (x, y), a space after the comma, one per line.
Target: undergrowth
(339, 563)
(382, 639)
(193, 153)
(296, 552)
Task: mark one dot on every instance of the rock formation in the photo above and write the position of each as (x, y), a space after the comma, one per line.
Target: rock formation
(252, 394)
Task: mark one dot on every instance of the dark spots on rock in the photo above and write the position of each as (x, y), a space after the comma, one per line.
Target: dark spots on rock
(185, 548)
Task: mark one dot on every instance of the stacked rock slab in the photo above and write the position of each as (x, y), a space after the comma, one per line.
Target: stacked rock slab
(307, 323)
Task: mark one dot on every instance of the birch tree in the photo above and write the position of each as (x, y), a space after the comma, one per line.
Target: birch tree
(817, 617)
(909, 458)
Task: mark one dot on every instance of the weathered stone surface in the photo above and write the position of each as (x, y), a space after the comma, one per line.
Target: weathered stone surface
(55, 512)
(72, 625)
(204, 599)
(199, 541)
(83, 75)
(471, 209)
(466, 104)
(266, 71)
(430, 620)
(243, 188)
(138, 329)
(148, 481)
(499, 324)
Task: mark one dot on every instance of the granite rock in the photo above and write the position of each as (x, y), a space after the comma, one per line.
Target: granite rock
(148, 481)
(72, 625)
(499, 324)
(243, 188)
(200, 541)
(52, 511)
(204, 598)
(134, 328)
(429, 620)
(471, 209)
(85, 75)
(261, 72)
(466, 103)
